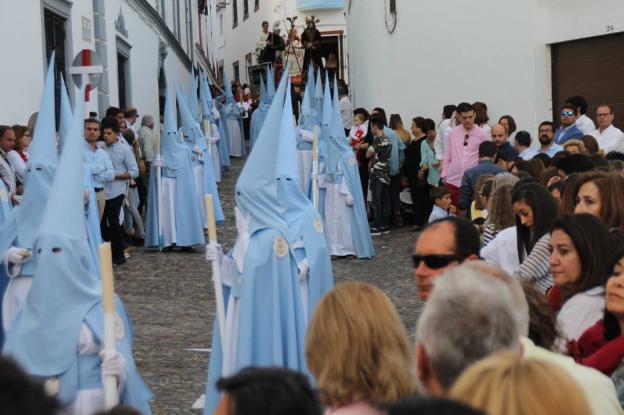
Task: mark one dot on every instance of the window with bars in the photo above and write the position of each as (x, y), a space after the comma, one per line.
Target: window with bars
(245, 9)
(234, 13)
(256, 5)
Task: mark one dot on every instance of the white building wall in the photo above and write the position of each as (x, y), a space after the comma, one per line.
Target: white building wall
(493, 51)
(22, 75)
(22, 72)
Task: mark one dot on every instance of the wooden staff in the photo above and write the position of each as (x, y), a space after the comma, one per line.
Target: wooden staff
(315, 170)
(216, 269)
(161, 238)
(111, 397)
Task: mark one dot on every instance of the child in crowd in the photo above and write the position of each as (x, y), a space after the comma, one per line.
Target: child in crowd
(443, 207)
(380, 151)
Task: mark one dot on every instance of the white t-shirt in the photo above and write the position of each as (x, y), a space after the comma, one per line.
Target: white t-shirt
(611, 139)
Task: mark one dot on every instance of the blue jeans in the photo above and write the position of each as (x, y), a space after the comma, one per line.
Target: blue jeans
(382, 207)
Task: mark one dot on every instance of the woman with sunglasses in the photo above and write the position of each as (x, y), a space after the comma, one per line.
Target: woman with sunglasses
(602, 345)
(581, 262)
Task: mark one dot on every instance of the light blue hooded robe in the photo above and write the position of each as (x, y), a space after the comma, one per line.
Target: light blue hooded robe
(230, 111)
(341, 158)
(317, 101)
(176, 164)
(271, 322)
(193, 136)
(92, 215)
(308, 240)
(21, 226)
(308, 120)
(259, 115)
(222, 144)
(65, 294)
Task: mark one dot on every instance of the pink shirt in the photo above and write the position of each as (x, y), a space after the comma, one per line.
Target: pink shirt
(459, 157)
(357, 408)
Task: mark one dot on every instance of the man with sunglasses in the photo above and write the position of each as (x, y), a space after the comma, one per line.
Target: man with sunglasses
(443, 244)
(568, 129)
(462, 150)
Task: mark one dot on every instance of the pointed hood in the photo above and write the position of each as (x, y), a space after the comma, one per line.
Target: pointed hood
(191, 98)
(336, 139)
(263, 92)
(308, 118)
(66, 115)
(317, 99)
(294, 203)
(310, 81)
(44, 336)
(41, 168)
(172, 148)
(206, 98)
(327, 112)
(227, 85)
(270, 85)
(256, 188)
(190, 127)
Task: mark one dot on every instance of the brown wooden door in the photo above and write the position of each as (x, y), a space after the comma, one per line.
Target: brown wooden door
(593, 68)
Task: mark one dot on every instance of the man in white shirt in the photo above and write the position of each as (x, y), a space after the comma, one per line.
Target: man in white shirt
(450, 120)
(609, 137)
(346, 110)
(522, 144)
(583, 122)
(261, 42)
(132, 115)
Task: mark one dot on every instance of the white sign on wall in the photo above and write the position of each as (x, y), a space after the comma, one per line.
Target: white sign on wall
(86, 29)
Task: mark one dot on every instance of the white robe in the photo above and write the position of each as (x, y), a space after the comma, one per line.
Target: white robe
(236, 138)
(213, 153)
(198, 174)
(14, 297)
(338, 217)
(168, 213)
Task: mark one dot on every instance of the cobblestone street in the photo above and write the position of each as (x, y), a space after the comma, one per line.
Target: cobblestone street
(171, 300)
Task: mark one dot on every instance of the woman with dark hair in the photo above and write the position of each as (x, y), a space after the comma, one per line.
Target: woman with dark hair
(602, 345)
(534, 167)
(580, 263)
(591, 145)
(535, 211)
(481, 117)
(509, 123)
(602, 195)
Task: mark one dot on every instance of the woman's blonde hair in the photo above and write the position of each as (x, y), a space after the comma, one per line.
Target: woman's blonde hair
(508, 384)
(500, 208)
(358, 349)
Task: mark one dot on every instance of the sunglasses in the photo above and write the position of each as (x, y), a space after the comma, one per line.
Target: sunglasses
(466, 137)
(434, 261)
(567, 113)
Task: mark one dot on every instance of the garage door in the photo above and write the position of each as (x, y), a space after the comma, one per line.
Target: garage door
(593, 68)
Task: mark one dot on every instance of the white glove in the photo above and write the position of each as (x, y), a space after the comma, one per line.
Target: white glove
(349, 200)
(197, 150)
(214, 252)
(15, 255)
(87, 197)
(304, 267)
(158, 162)
(113, 364)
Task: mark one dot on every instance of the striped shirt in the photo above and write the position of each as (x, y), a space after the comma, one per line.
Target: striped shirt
(536, 266)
